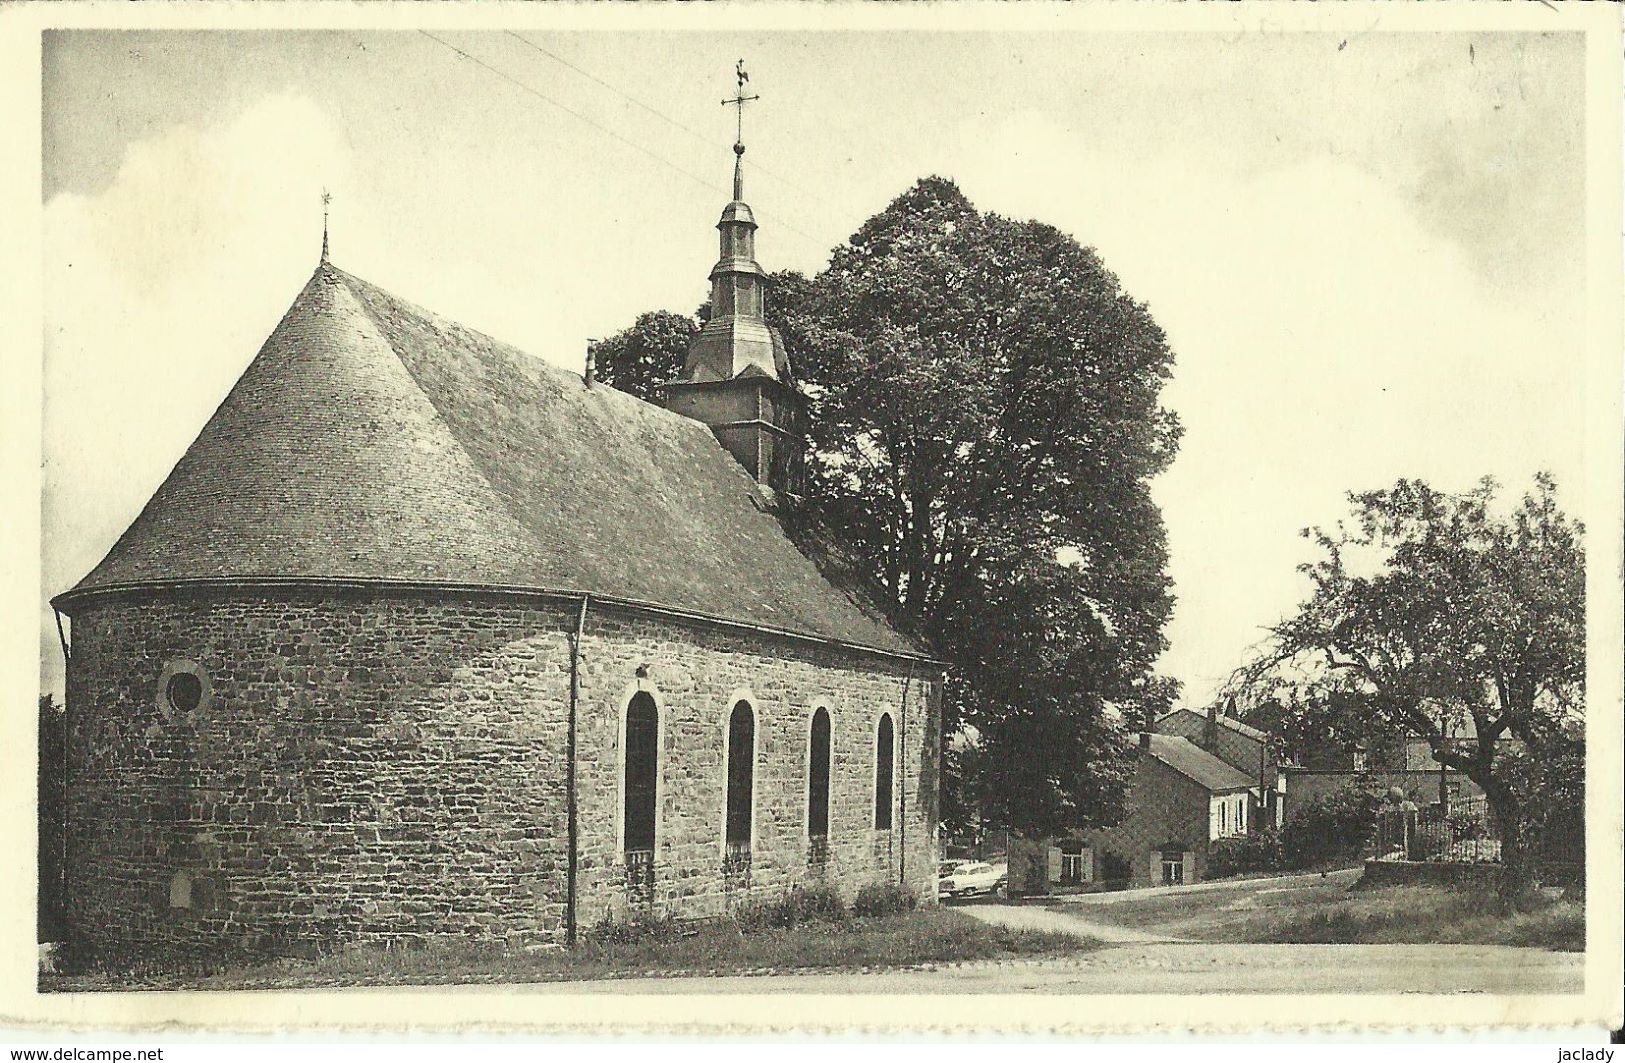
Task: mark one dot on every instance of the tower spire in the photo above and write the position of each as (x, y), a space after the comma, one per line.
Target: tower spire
(326, 199)
(737, 376)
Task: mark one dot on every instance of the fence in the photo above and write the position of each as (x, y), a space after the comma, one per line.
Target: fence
(1464, 833)
(1460, 833)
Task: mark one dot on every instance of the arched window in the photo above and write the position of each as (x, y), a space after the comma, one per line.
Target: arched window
(741, 772)
(818, 777)
(884, 757)
(642, 770)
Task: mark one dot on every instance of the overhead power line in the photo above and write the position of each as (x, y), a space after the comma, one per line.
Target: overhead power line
(634, 145)
(708, 141)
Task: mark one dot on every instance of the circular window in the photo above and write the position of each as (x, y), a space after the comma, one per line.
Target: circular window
(184, 691)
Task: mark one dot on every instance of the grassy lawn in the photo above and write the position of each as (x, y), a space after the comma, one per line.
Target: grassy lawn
(898, 940)
(1328, 911)
(1421, 914)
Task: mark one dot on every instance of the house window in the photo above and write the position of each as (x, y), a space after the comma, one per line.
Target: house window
(642, 769)
(884, 756)
(1173, 868)
(741, 770)
(1072, 863)
(818, 777)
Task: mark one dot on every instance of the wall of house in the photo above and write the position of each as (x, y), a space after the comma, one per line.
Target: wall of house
(1162, 806)
(392, 768)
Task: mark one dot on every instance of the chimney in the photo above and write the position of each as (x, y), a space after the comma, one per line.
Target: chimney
(1145, 739)
(1210, 729)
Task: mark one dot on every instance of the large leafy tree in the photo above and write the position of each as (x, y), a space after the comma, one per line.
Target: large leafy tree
(1429, 611)
(986, 420)
(640, 358)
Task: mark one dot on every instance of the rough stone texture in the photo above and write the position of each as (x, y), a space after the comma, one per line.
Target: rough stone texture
(377, 766)
(1162, 806)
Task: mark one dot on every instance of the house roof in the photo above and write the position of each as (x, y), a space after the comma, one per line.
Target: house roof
(1198, 765)
(372, 440)
(1229, 722)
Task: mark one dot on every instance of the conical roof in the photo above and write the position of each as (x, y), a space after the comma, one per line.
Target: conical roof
(372, 440)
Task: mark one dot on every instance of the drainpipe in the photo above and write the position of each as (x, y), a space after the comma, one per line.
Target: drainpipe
(902, 790)
(67, 651)
(570, 777)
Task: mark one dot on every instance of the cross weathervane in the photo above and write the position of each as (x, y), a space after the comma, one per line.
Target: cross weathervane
(739, 100)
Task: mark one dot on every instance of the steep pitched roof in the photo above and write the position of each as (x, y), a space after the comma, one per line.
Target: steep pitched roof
(1197, 764)
(370, 439)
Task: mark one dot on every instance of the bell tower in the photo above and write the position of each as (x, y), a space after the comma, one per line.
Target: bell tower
(737, 375)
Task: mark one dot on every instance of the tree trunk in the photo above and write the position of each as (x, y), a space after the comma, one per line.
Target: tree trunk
(1517, 869)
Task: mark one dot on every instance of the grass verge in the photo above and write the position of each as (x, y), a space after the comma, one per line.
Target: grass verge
(1327, 910)
(906, 939)
(1433, 914)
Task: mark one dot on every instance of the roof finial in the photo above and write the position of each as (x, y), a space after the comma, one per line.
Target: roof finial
(738, 103)
(326, 199)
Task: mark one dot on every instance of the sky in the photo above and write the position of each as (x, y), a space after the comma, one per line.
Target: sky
(1366, 249)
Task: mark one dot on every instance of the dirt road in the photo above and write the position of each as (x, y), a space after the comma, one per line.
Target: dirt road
(1162, 968)
(1154, 946)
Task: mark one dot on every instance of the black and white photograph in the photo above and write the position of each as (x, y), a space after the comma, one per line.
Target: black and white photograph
(576, 512)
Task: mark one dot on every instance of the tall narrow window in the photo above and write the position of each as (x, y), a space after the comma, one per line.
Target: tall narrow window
(818, 778)
(642, 769)
(884, 756)
(741, 769)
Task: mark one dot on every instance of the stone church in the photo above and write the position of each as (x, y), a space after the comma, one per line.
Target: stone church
(425, 638)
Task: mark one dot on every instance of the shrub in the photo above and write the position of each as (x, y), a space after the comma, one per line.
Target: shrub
(1114, 867)
(818, 903)
(641, 928)
(1467, 825)
(883, 898)
(1258, 851)
(1335, 826)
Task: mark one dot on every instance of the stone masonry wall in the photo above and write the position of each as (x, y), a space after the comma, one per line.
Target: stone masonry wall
(1161, 806)
(392, 768)
(696, 677)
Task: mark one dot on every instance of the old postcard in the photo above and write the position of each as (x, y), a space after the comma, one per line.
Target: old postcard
(1060, 519)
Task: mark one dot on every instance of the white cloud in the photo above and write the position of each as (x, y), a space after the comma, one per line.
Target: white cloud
(1326, 340)
(149, 316)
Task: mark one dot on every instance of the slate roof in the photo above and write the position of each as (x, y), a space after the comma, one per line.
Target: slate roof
(1198, 765)
(373, 440)
(1224, 721)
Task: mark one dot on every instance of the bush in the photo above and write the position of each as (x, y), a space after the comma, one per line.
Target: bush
(641, 928)
(1258, 851)
(1114, 867)
(883, 898)
(1335, 826)
(818, 903)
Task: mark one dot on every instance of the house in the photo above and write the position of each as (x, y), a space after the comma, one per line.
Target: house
(423, 638)
(1180, 800)
(1243, 747)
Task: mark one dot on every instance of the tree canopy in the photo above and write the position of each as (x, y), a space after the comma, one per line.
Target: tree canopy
(1430, 613)
(986, 421)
